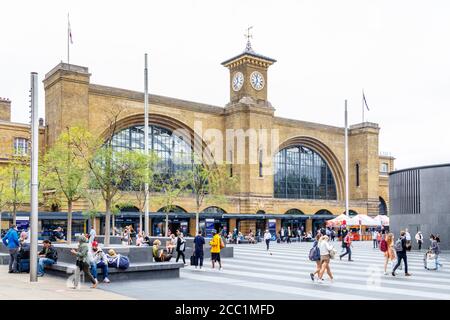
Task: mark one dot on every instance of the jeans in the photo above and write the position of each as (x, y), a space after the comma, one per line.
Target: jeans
(198, 256)
(375, 243)
(438, 264)
(100, 265)
(347, 251)
(13, 259)
(420, 245)
(401, 256)
(267, 243)
(42, 263)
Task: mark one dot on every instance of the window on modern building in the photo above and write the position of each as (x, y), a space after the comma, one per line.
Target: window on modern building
(357, 174)
(20, 146)
(301, 173)
(260, 163)
(384, 168)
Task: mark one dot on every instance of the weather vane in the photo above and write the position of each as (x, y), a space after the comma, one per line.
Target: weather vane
(248, 35)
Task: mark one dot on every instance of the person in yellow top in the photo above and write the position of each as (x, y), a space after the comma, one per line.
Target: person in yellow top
(215, 244)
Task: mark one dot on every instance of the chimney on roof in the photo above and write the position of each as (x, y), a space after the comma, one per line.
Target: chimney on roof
(5, 109)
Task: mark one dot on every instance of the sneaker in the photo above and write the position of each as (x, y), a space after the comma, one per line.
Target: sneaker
(340, 257)
(407, 274)
(40, 274)
(351, 260)
(106, 280)
(393, 273)
(312, 276)
(385, 273)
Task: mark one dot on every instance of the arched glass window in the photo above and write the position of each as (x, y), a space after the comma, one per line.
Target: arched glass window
(174, 209)
(294, 211)
(301, 173)
(173, 152)
(213, 210)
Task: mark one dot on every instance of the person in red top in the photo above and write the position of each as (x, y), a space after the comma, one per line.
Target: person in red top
(348, 243)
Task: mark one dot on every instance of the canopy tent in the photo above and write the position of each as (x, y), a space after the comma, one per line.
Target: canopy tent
(339, 220)
(363, 220)
(382, 220)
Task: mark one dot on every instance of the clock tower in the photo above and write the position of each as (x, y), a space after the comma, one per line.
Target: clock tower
(248, 77)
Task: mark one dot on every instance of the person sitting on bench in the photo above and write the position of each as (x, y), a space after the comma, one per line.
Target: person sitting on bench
(47, 257)
(160, 255)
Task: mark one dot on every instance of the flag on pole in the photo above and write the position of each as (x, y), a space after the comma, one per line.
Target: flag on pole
(365, 102)
(70, 32)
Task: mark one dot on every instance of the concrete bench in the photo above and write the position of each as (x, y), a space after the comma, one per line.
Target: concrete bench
(136, 271)
(4, 258)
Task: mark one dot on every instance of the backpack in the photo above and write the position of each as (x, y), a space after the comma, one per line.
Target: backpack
(314, 253)
(383, 245)
(398, 246)
(123, 262)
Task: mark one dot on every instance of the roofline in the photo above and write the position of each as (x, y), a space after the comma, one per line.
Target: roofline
(251, 54)
(420, 168)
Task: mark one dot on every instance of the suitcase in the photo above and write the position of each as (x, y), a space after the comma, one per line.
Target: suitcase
(23, 265)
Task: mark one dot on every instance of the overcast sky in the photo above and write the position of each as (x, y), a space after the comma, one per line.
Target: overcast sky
(327, 51)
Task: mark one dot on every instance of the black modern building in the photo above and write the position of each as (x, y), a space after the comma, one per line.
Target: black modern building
(420, 200)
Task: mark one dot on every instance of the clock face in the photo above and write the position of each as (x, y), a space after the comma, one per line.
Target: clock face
(257, 80)
(238, 81)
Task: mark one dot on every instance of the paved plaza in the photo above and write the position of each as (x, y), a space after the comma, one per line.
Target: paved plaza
(254, 274)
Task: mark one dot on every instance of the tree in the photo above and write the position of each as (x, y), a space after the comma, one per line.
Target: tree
(4, 183)
(171, 187)
(65, 173)
(16, 177)
(209, 182)
(110, 169)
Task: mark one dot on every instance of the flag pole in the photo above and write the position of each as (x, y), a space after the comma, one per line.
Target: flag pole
(146, 205)
(346, 161)
(68, 40)
(362, 104)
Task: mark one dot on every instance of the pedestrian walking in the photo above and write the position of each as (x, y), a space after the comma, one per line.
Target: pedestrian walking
(387, 247)
(327, 253)
(435, 249)
(314, 255)
(348, 245)
(181, 246)
(400, 247)
(267, 238)
(83, 261)
(216, 244)
(11, 241)
(199, 242)
(419, 239)
(374, 238)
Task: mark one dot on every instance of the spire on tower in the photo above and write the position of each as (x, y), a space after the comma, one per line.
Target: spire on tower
(248, 47)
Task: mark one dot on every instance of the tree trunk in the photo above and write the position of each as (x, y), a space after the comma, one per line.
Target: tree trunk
(197, 227)
(14, 215)
(107, 222)
(167, 224)
(113, 224)
(69, 221)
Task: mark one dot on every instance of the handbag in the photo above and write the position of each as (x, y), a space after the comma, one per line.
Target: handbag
(222, 245)
(332, 253)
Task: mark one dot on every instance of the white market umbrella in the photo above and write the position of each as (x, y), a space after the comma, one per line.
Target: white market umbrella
(363, 220)
(382, 220)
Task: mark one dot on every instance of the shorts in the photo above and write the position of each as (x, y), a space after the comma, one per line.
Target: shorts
(325, 258)
(215, 256)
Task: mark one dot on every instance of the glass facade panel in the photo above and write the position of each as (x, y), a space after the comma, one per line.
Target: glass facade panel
(301, 173)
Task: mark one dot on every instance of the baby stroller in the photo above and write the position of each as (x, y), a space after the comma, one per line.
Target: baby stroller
(429, 260)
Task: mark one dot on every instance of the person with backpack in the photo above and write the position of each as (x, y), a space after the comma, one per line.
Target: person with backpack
(387, 247)
(400, 247)
(419, 239)
(348, 244)
(216, 244)
(181, 246)
(314, 255)
(47, 257)
(435, 249)
(11, 241)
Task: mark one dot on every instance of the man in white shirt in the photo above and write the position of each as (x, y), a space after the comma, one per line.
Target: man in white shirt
(92, 235)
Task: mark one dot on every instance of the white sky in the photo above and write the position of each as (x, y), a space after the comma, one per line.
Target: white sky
(327, 51)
